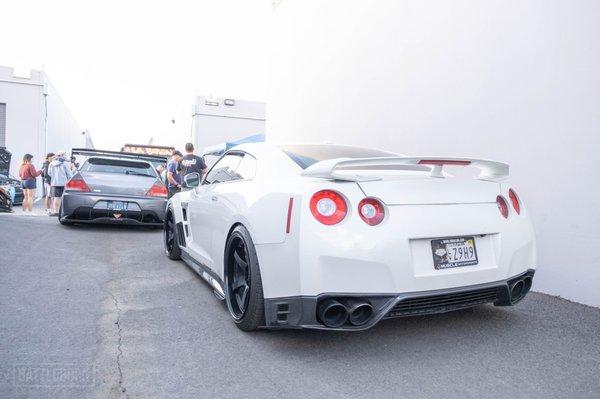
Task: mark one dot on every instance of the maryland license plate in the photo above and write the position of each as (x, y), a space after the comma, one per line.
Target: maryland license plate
(454, 252)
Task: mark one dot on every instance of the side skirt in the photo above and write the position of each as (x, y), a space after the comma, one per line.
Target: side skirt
(207, 274)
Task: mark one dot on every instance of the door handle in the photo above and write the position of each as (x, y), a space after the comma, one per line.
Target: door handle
(214, 198)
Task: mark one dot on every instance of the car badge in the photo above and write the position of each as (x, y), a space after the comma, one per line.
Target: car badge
(117, 215)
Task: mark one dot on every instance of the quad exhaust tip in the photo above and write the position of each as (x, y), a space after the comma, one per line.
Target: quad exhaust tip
(520, 288)
(333, 313)
(359, 312)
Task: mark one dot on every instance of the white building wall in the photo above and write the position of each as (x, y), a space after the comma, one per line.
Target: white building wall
(24, 106)
(515, 81)
(29, 100)
(64, 133)
(217, 123)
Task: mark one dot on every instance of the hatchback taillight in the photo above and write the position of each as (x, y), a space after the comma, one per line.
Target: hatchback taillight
(371, 211)
(157, 190)
(502, 206)
(328, 207)
(77, 184)
(514, 199)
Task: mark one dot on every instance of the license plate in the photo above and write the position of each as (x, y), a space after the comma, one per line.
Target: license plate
(117, 206)
(454, 252)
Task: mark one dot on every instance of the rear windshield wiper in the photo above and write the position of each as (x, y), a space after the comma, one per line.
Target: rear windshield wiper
(133, 172)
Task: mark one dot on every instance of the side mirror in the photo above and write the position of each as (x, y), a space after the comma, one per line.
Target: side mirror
(191, 179)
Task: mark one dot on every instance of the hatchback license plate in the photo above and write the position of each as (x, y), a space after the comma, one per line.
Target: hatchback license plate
(454, 252)
(117, 206)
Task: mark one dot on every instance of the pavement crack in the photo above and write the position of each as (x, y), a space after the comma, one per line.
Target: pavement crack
(120, 385)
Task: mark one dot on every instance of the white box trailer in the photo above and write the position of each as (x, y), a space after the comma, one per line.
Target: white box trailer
(220, 120)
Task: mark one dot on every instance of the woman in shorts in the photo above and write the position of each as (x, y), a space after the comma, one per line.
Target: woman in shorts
(28, 174)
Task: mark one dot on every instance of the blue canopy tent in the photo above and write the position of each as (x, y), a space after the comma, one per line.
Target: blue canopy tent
(219, 149)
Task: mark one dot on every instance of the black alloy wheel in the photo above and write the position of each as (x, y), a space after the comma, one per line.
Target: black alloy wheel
(170, 237)
(243, 281)
(239, 280)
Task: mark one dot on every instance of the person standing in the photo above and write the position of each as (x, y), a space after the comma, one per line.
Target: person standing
(173, 175)
(74, 165)
(192, 163)
(28, 174)
(60, 172)
(46, 179)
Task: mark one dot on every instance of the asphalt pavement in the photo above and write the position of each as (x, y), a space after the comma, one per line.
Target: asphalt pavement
(100, 312)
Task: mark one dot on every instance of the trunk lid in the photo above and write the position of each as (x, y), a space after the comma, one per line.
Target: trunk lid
(421, 190)
(117, 183)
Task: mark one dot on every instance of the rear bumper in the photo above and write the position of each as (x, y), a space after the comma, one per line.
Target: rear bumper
(90, 208)
(301, 311)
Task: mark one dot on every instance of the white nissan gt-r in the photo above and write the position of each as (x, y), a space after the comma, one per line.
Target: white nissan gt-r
(336, 237)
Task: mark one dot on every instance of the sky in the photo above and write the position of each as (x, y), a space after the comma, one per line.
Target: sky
(125, 69)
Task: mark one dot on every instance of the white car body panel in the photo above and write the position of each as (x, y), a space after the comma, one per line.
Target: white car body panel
(353, 257)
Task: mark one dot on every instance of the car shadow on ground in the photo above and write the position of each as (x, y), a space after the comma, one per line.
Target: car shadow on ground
(458, 328)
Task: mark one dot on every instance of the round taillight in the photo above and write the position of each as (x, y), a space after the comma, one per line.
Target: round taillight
(371, 211)
(328, 207)
(514, 199)
(502, 206)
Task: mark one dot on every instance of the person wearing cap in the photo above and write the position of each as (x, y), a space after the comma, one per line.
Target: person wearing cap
(173, 175)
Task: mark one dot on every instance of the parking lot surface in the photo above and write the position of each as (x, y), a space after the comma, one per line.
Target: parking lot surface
(101, 312)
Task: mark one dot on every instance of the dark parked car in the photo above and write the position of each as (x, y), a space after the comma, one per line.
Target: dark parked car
(16, 183)
(115, 188)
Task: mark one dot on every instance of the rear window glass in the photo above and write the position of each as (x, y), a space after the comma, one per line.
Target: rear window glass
(118, 166)
(307, 154)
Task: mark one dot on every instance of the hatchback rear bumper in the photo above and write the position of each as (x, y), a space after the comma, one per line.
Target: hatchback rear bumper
(302, 311)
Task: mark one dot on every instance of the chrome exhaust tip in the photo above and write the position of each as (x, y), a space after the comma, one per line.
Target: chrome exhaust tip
(332, 313)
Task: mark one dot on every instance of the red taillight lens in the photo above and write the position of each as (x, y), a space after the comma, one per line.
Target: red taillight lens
(514, 199)
(502, 206)
(328, 207)
(371, 211)
(157, 190)
(77, 184)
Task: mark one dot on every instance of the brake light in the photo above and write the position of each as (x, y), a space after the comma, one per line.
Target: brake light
(371, 211)
(502, 206)
(77, 184)
(514, 200)
(328, 207)
(157, 190)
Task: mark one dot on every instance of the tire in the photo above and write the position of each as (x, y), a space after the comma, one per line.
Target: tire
(245, 300)
(170, 237)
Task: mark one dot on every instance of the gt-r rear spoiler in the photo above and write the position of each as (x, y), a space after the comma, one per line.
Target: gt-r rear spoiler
(87, 152)
(331, 168)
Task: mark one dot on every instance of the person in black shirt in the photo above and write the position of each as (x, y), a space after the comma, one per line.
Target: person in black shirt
(47, 178)
(191, 163)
